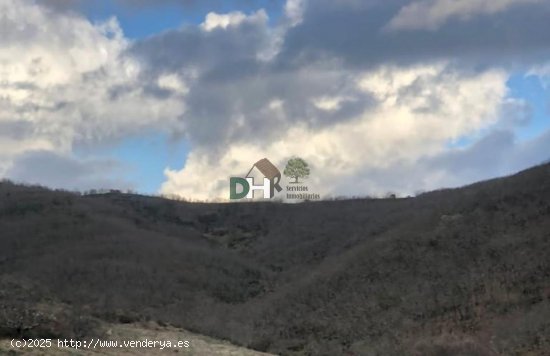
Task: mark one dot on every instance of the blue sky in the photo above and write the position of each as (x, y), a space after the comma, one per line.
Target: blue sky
(531, 89)
(145, 157)
(145, 20)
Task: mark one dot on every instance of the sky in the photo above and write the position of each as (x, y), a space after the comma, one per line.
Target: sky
(176, 96)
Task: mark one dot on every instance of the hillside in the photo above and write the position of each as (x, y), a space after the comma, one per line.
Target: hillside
(453, 272)
(198, 345)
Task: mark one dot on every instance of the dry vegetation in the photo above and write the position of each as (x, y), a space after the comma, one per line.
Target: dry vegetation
(199, 345)
(454, 272)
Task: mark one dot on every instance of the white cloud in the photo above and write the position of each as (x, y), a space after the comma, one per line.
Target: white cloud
(431, 14)
(172, 82)
(67, 80)
(235, 18)
(419, 110)
(328, 103)
(294, 10)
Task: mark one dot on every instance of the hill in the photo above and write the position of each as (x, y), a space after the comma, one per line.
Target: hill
(453, 272)
(119, 334)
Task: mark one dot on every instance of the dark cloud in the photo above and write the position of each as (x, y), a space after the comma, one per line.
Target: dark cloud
(57, 171)
(233, 89)
(321, 56)
(243, 109)
(190, 47)
(16, 130)
(60, 5)
(357, 33)
(192, 7)
(210, 4)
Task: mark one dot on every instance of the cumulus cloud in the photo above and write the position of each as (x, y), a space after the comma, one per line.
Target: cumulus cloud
(72, 79)
(418, 111)
(65, 81)
(294, 10)
(235, 18)
(235, 95)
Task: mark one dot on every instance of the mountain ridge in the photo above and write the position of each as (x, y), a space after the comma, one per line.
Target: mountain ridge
(440, 271)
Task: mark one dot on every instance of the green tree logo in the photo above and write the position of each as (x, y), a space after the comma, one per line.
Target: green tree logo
(296, 168)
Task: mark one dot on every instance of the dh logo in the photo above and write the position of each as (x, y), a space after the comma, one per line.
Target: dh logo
(271, 178)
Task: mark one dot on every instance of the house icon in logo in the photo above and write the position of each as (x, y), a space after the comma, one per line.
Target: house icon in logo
(264, 171)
